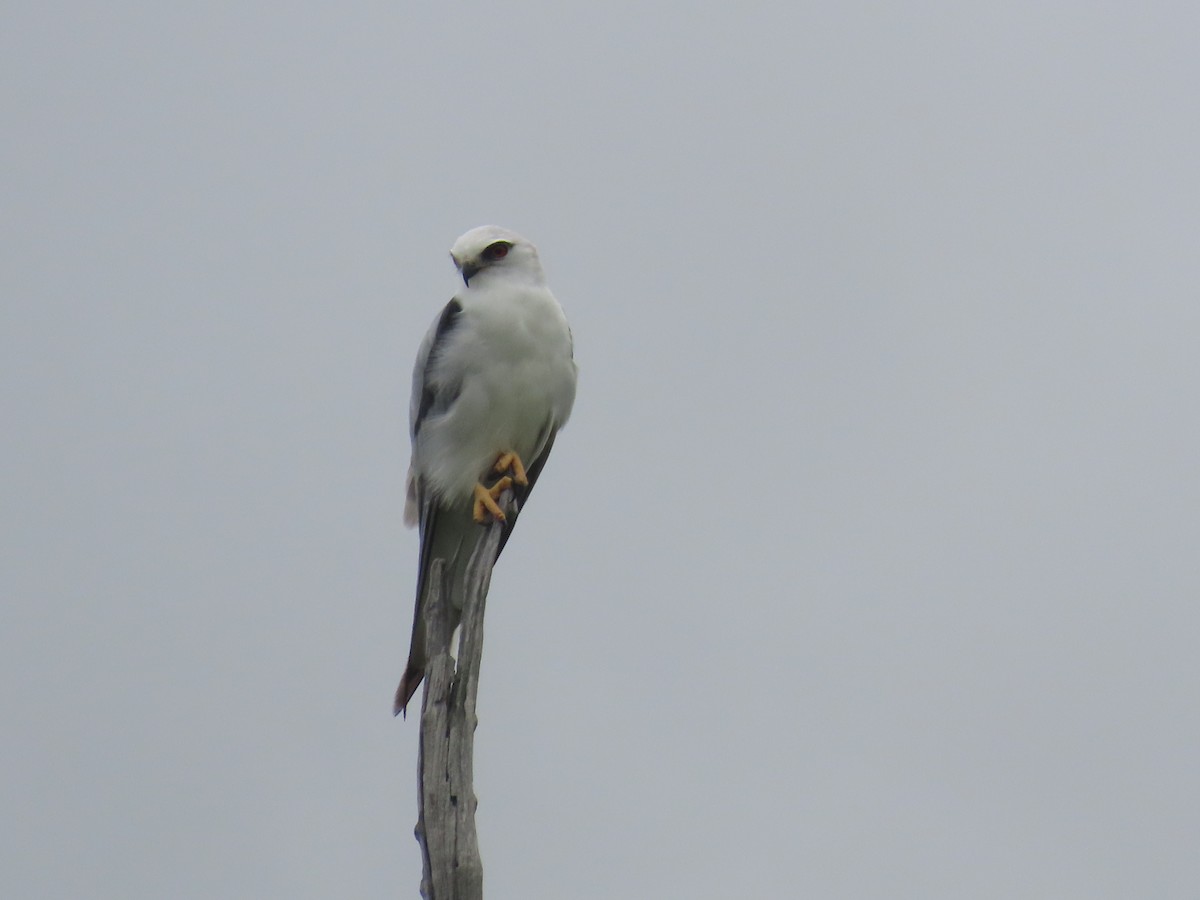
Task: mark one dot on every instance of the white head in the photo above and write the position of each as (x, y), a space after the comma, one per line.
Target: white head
(490, 250)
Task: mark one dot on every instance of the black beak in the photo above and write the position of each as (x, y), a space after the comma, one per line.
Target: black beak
(468, 272)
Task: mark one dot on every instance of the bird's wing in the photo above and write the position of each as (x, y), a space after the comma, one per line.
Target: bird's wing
(521, 493)
(444, 535)
(429, 398)
(448, 533)
(441, 532)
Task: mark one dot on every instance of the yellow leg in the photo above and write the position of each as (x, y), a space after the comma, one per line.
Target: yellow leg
(485, 501)
(510, 462)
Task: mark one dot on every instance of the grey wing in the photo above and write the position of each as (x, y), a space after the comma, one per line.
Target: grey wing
(448, 534)
(443, 536)
(532, 471)
(427, 396)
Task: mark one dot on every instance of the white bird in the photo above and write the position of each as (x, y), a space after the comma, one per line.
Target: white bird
(493, 383)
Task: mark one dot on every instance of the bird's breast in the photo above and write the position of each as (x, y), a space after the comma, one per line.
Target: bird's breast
(517, 379)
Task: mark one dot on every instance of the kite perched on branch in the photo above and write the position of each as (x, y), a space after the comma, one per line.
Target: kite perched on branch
(493, 383)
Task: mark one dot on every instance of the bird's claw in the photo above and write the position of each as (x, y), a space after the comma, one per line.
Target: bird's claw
(485, 504)
(510, 462)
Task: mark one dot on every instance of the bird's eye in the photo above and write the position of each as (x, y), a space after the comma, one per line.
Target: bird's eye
(496, 251)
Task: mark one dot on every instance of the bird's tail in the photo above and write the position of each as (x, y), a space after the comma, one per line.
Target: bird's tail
(413, 675)
(442, 534)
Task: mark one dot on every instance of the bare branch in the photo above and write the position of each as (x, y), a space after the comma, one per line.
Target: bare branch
(446, 821)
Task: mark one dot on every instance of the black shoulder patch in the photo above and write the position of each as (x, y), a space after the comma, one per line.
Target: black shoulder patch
(428, 393)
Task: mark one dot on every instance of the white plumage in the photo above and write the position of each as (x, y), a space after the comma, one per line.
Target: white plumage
(495, 374)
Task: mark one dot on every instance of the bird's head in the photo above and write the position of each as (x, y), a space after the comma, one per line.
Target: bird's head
(491, 249)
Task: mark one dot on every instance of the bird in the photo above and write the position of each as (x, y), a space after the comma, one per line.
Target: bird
(494, 381)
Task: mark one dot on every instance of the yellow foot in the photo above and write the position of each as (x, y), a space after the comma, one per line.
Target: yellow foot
(510, 462)
(485, 501)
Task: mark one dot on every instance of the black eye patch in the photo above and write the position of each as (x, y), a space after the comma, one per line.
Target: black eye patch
(496, 251)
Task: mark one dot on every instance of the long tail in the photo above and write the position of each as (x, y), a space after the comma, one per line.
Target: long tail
(444, 533)
(442, 537)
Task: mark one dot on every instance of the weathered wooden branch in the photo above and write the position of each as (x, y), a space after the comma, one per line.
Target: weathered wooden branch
(446, 796)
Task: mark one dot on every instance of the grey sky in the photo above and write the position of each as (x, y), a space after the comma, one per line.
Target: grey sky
(866, 566)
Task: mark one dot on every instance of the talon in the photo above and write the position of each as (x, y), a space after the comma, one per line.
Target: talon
(510, 462)
(485, 504)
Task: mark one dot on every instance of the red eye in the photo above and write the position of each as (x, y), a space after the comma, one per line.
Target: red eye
(496, 251)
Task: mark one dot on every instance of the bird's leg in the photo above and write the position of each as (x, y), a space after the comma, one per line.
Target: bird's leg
(510, 462)
(485, 501)
(486, 504)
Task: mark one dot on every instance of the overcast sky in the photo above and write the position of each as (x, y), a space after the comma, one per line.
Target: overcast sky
(866, 567)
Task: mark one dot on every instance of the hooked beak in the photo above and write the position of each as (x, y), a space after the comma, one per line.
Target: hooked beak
(468, 272)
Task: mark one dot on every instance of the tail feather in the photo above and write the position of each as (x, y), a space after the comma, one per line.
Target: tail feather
(413, 675)
(447, 534)
(443, 531)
